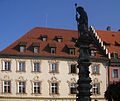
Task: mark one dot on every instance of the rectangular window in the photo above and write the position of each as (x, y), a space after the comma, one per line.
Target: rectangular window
(72, 51)
(6, 86)
(36, 87)
(73, 69)
(115, 73)
(96, 88)
(95, 69)
(54, 68)
(59, 39)
(22, 48)
(35, 49)
(115, 55)
(21, 66)
(21, 87)
(36, 67)
(54, 88)
(53, 50)
(7, 65)
(44, 39)
(72, 88)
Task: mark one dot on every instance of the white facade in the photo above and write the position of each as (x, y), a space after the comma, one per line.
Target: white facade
(45, 77)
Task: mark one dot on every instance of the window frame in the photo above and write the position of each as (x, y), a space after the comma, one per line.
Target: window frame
(6, 67)
(54, 88)
(37, 87)
(35, 67)
(21, 87)
(96, 88)
(44, 38)
(36, 49)
(95, 68)
(72, 51)
(53, 50)
(54, 68)
(113, 73)
(73, 67)
(59, 39)
(22, 48)
(21, 66)
(115, 55)
(73, 89)
(6, 86)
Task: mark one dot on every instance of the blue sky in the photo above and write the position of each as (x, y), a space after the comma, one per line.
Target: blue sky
(19, 16)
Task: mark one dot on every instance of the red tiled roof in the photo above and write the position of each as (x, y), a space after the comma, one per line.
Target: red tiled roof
(33, 36)
(110, 37)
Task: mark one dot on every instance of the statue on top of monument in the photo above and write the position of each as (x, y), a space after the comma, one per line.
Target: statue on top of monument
(82, 20)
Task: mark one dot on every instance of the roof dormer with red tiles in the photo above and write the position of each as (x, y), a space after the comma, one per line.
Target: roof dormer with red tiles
(44, 42)
(50, 42)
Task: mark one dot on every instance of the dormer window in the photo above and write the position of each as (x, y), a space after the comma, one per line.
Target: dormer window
(59, 38)
(44, 37)
(115, 55)
(22, 46)
(72, 51)
(35, 47)
(74, 39)
(52, 48)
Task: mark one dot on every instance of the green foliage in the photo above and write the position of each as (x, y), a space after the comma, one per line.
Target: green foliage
(113, 92)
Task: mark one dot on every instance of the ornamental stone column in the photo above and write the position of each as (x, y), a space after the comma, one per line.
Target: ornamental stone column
(83, 42)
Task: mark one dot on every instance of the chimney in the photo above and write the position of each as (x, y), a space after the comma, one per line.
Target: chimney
(108, 28)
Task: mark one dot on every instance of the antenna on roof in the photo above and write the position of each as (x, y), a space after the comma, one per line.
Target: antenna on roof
(46, 18)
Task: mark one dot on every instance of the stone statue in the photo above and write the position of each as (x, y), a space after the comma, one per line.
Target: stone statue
(82, 20)
(83, 43)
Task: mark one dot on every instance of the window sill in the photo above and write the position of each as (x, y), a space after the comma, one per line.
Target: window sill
(21, 71)
(54, 94)
(54, 72)
(6, 93)
(21, 93)
(36, 94)
(35, 71)
(6, 70)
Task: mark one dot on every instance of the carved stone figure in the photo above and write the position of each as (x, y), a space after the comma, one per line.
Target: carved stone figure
(82, 20)
(83, 42)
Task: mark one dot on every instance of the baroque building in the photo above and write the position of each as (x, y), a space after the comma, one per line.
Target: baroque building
(42, 65)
